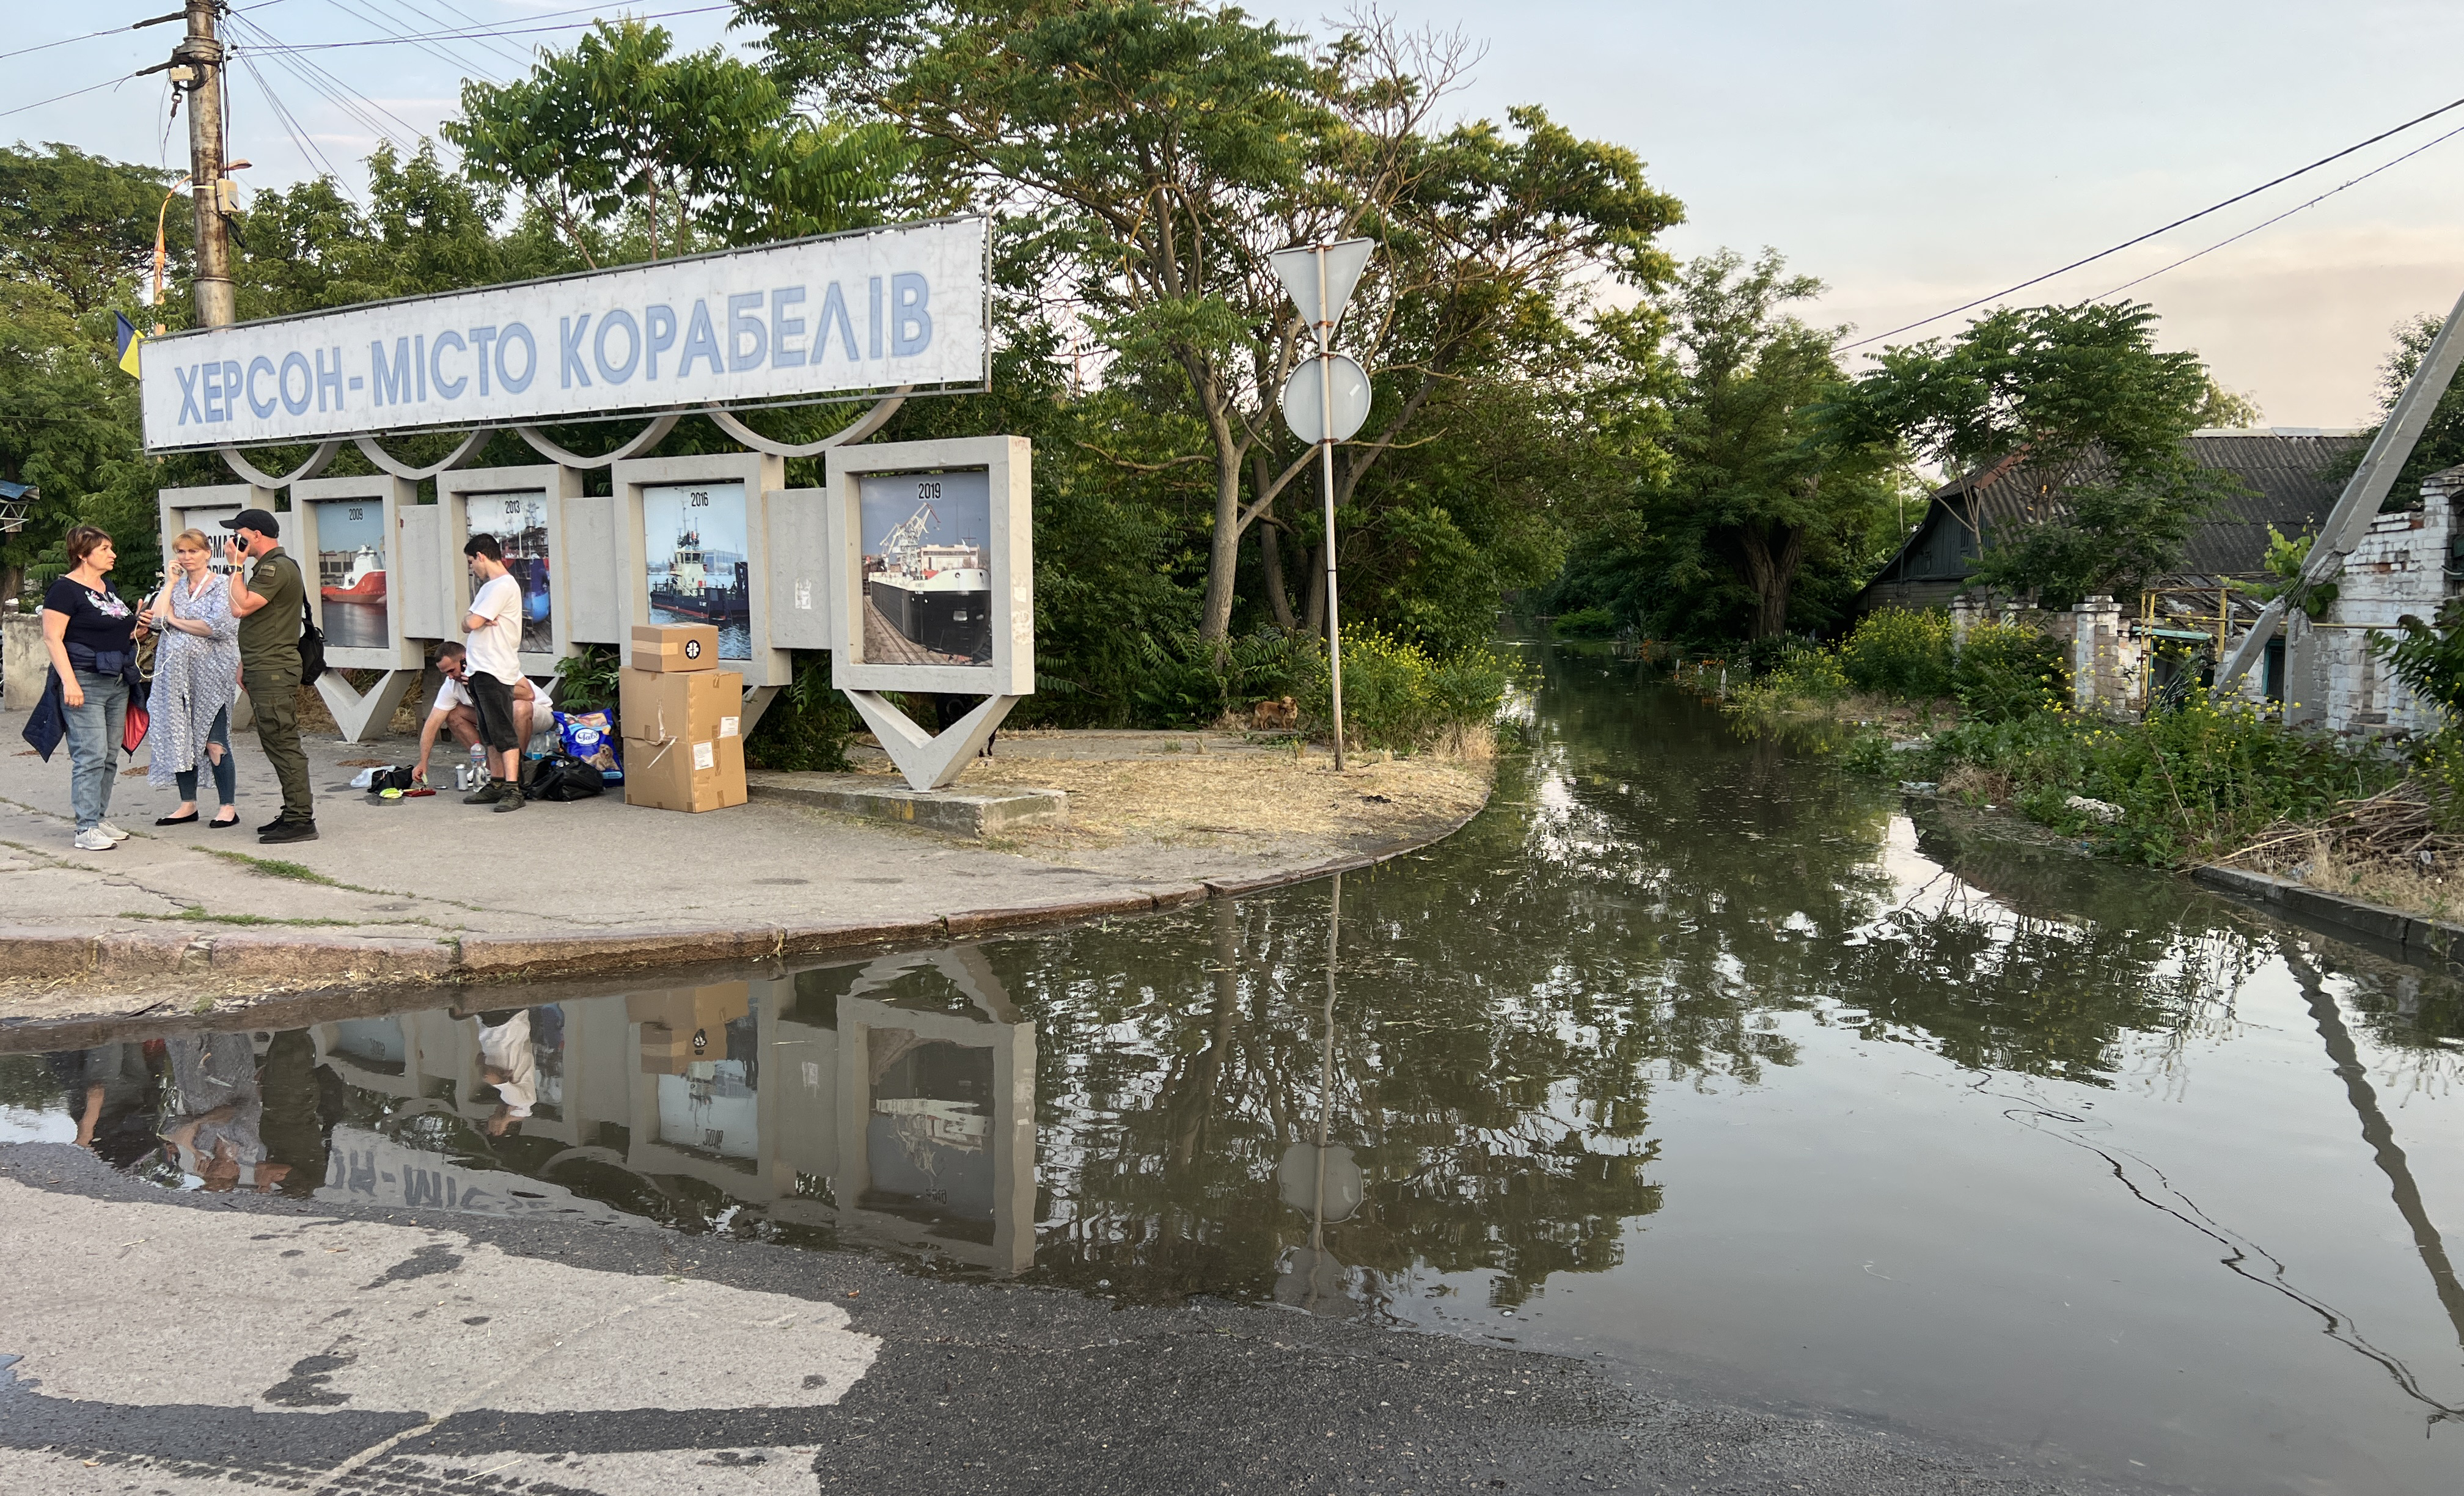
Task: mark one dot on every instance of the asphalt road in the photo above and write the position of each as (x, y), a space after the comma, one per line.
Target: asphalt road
(155, 1342)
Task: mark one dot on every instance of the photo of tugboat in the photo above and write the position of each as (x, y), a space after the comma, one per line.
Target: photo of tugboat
(692, 538)
(520, 523)
(351, 573)
(927, 583)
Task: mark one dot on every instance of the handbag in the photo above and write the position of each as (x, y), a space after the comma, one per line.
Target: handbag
(563, 777)
(312, 640)
(132, 731)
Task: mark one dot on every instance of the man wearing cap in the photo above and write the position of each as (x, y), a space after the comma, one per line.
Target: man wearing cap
(270, 602)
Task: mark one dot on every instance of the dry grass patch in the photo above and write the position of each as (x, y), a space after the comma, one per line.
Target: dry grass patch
(1182, 798)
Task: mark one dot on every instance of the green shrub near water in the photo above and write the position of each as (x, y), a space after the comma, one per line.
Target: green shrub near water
(1898, 652)
(2191, 781)
(1397, 696)
(1586, 623)
(2006, 672)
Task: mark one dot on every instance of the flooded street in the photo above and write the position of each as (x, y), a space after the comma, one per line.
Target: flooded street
(1691, 1056)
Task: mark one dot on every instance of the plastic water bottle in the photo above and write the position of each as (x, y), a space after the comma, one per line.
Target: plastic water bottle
(479, 766)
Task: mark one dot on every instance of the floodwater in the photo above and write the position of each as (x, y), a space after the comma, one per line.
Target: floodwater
(1691, 1054)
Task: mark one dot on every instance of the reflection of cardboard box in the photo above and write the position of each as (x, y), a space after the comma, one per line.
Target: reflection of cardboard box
(674, 647)
(683, 1025)
(684, 738)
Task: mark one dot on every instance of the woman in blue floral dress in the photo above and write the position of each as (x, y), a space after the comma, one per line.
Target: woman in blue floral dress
(196, 680)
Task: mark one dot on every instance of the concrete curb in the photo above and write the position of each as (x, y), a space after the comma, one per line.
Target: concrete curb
(328, 964)
(2435, 938)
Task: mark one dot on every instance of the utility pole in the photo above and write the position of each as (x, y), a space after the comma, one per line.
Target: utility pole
(200, 53)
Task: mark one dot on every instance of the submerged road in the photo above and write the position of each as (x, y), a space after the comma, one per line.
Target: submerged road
(153, 1343)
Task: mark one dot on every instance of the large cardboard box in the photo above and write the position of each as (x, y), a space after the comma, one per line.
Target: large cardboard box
(683, 1025)
(674, 647)
(684, 738)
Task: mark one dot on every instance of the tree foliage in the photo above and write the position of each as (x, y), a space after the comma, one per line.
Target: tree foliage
(2098, 416)
(1758, 523)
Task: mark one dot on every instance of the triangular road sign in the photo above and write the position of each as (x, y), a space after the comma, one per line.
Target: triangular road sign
(1297, 269)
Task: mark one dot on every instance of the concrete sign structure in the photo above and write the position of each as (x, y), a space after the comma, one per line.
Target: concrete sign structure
(914, 565)
(817, 318)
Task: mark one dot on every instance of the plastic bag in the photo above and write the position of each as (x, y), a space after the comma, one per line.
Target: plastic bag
(563, 777)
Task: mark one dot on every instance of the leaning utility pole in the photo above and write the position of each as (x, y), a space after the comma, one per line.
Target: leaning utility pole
(200, 53)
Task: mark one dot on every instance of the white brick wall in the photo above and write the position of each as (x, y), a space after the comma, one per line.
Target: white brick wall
(2399, 568)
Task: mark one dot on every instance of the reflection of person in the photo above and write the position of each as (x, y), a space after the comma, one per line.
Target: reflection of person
(92, 637)
(110, 1094)
(455, 708)
(216, 1133)
(303, 1100)
(509, 1061)
(196, 682)
(271, 602)
(493, 629)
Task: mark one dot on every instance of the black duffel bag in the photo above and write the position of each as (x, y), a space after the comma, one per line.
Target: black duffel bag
(561, 776)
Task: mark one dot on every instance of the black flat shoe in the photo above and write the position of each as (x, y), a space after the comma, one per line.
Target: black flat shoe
(223, 825)
(175, 820)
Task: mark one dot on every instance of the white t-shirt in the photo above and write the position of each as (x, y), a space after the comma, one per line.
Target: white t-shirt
(508, 1047)
(453, 693)
(496, 648)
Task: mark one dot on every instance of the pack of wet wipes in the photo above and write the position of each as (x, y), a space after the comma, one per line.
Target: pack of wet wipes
(591, 738)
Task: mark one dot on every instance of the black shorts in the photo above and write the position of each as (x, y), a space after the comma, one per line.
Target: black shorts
(493, 700)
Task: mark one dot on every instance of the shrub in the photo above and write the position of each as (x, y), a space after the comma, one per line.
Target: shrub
(1185, 682)
(807, 724)
(1804, 674)
(2006, 672)
(1586, 623)
(1895, 652)
(1396, 696)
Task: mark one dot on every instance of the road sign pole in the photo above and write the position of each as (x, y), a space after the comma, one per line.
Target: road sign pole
(1326, 474)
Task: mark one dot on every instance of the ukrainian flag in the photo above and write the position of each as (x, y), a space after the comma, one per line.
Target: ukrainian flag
(129, 337)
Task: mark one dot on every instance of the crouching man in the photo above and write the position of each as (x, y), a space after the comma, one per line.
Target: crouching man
(456, 714)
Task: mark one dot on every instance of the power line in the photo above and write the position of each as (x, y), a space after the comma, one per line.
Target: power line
(115, 30)
(2154, 232)
(433, 47)
(2287, 214)
(109, 82)
(514, 31)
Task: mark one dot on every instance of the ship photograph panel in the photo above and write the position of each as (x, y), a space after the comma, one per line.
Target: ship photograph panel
(700, 572)
(351, 573)
(927, 574)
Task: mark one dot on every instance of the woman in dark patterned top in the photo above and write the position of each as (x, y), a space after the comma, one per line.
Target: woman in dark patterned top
(92, 636)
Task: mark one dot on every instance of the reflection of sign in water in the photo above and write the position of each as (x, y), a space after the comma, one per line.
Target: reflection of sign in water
(699, 569)
(520, 523)
(927, 583)
(351, 572)
(370, 1169)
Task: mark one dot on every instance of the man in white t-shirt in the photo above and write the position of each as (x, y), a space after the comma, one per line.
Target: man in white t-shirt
(493, 632)
(455, 712)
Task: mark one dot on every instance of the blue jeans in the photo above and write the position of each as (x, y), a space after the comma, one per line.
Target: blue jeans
(94, 736)
(225, 772)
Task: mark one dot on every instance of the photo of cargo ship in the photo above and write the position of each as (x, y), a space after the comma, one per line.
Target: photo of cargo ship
(361, 579)
(928, 592)
(351, 573)
(520, 523)
(694, 550)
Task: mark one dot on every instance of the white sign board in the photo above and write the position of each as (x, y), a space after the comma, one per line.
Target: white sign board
(811, 319)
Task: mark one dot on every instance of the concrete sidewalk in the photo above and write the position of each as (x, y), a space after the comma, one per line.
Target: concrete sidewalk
(432, 891)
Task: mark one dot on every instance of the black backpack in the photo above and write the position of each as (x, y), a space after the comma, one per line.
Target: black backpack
(312, 639)
(561, 776)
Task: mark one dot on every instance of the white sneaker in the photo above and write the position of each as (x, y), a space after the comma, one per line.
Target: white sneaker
(116, 834)
(96, 840)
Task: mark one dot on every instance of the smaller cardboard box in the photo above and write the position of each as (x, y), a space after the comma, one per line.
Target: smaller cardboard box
(681, 1025)
(674, 647)
(680, 774)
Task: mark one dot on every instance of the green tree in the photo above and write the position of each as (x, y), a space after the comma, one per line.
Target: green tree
(1755, 499)
(80, 224)
(2442, 440)
(1150, 154)
(688, 150)
(2098, 416)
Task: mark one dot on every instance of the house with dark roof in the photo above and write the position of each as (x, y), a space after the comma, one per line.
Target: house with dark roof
(2290, 478)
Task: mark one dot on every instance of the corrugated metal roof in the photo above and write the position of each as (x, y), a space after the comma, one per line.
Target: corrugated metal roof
(2291, 481)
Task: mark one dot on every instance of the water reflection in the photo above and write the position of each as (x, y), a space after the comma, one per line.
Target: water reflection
(1689, 1050)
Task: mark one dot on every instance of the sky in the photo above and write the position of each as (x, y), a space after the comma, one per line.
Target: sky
(1913, 155)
